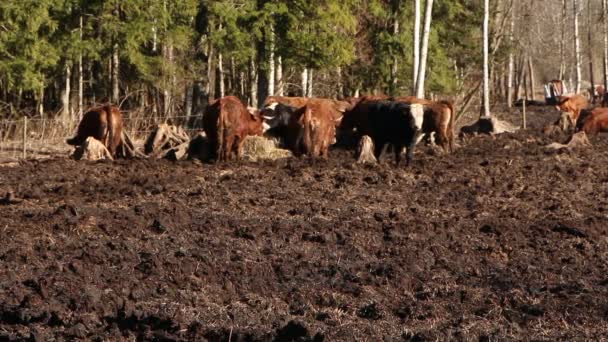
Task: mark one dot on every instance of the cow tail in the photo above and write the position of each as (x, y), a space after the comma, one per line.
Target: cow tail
(450, 132)
(111, 124)
(220, 134)
(308, 131)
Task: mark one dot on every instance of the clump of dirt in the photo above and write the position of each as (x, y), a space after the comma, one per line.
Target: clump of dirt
(503, 239)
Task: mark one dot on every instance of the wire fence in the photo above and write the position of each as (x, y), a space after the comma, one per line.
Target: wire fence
(41, 137)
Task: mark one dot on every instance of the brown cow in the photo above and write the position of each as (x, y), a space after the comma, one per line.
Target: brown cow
(312, 129)
(573, 106)
(594, 122)
(336, 108)
(438, 118)
(227, 122)
(102, 123)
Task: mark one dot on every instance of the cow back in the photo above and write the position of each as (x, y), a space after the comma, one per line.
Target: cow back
(593, 121)
(102, 123)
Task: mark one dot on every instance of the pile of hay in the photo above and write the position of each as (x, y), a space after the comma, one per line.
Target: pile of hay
(92, 149)
(489, 125)
(258, 148)
(577, 140)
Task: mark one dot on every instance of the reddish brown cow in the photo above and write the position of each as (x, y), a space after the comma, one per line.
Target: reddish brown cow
(102, 123)
(226, 123)
(336, 108)
(312, 129)
(438, 118)
(573, 106)
(595, 122)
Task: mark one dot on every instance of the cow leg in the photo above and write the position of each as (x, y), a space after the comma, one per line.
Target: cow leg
(239, 147)
(398, 148)
(228, 148)
(378, 147)
(442, 139)
(409, 154)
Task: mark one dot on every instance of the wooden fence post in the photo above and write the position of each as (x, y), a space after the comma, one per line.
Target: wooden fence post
(24, 136)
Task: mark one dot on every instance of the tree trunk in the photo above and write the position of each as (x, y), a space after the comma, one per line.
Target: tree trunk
(233, 78)
(424, 52)
(309, 84)
(279, 77)
(210, 73)
(220, 69)
(340, 89)
(605, 32)
(41, 102)
(395, 66)
(531, 77)
(271, 65)
(169, 85)
(590, 43)
(80, 77)
(526, 93)
(262, 74)
(154, 37)
(242, 84)
(577, 48)
(562, 48)
(115, 66)
(253, 84)
(416, 62)
(304, 82)
(511, 63)
(486, 86)
(521, 71)
(65, 99)
(188, 101)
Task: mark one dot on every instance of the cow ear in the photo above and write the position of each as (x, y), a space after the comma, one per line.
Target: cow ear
(253, 111)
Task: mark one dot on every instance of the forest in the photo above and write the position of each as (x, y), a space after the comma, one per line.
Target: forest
(168, 57)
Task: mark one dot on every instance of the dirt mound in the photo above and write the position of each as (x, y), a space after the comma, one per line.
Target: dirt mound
(500, 240)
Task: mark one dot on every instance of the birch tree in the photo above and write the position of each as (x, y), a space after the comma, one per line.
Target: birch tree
(577, 47)
(279, 77)
(511, 69)
(424, 52)
(605, 39)
(416, 61)
(562, 52)
(590, 51)
(271, 65)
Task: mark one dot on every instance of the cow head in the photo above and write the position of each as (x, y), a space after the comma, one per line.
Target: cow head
(256, 122)
(562, 103)
(417, 111)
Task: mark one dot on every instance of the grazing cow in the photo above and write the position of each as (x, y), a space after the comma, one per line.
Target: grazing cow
(102, 123)
(311, 129)
(227, 122)
(336, 108)
(387, 122)
(278, 119)
(438, 118)
(593, 121)
(573, 106)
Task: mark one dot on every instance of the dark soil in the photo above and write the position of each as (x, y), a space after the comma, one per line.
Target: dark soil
(502, 239)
